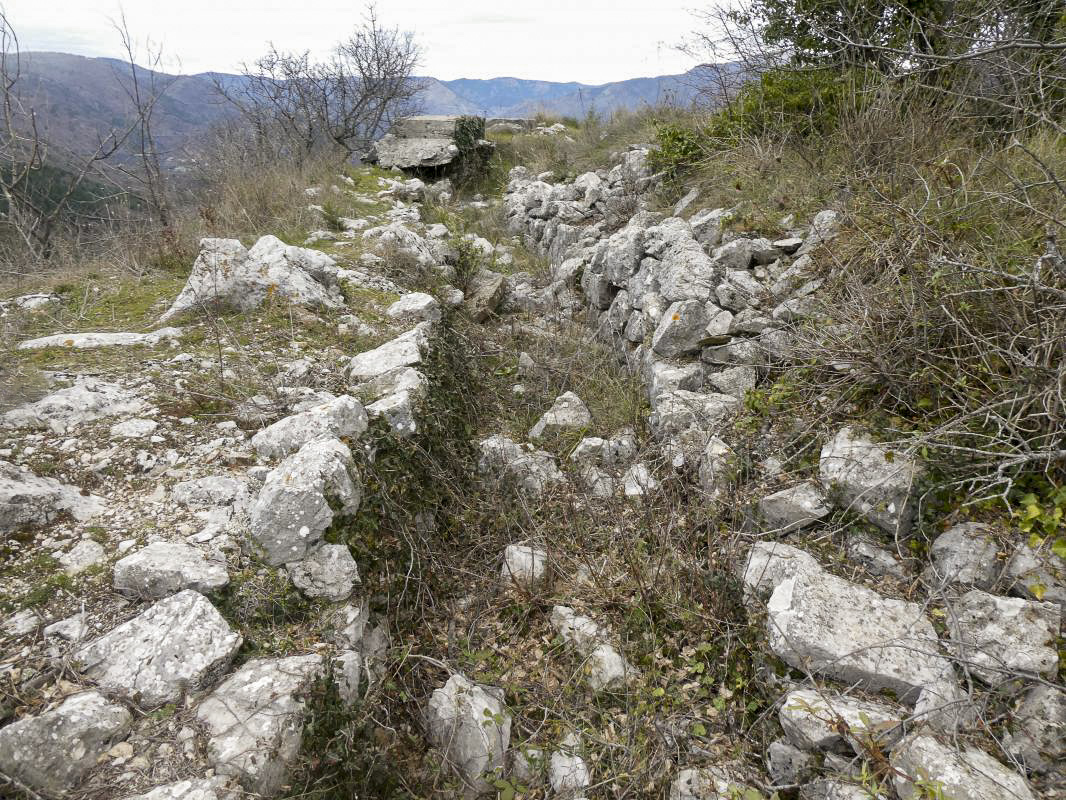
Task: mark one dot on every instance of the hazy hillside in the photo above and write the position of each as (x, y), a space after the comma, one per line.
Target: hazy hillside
(79, 99)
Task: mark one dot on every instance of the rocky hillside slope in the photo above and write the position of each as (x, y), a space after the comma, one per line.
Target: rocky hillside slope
(461, 498)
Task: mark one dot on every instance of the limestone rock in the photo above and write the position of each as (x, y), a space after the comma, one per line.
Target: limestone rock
(470, 724)
(793, 508)
(165, 568)
(961, 774)
(524, 566)
(178, 645)
(823, 623)
(52, 752)
(534, 472)
(27, 500)
(217, 788)
(406, 350)
(300, 498)
(996, 636)
(341, 418)
(812, 721)
(681, 330)
(605, 667)
(415, 307)
(568, 772)
(1037, 574)
(786, 764)
(89, 399)
(133, 429)
(1038, 740)
(483, 294)
(398, 410)
(210, 492)
(871, 479)
(568, 413)
(254, 720)
(679, 410)
(771, 563)
(329, 572)
(638, 481)
(92, 341)
(86, 553)
(708, 783)
(734, 381)
(964, 555)
(716, 467)
(226, 275)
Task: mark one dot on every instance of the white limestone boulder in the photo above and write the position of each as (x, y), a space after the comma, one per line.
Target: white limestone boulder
(341, 418)
(524, 566)
(415, 307)
(88, 400)
(179, 645)
(677, 411)
(823, 720)
(92, 341)
(471, 726)
(605, 667)
(568, 413)
(1038, 738)
(300, 498)
(216, 788)
(165, 568)
(406, 350)
(682, 329)
(771, 563)
(707, 783)
(225, 275)
(255, 719)
(329, 573)
(534, 472)
(52, 752)
(958, 772)
(829, 626)
(871, 479)
(793, 508)
(965, 555)
(995, 637)
(28, 500)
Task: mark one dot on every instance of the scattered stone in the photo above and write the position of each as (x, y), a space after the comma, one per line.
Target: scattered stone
(210, 492)
(86, 553)
(771, 563)
(876, 560)
(963, 555)
(716, 468)
(217, 788)
(226, 275)
(341, 418)
(165, 568)
(822, 623)
(415, 307)
(996, 636)
(483, 294)
(836, 790)
(406, 350)
(52, 752)
(72, 629)
(708, 783)
(819, 720)
(524, 566)
(567, 413)
(300, 498)
(329, 573)
(793, 508)
(534, 472)
(568, 772)
(347, 674)
(638, 481)
(1038, 740)
(27, 500)
(871, 479)
(958, 772)
(179, 645)
(788, 765)
(89, 399)
(133, 429)
(255, 720)
(21, 623)
(92, 341)
(605, 667)
(470, 724)
(677, 411)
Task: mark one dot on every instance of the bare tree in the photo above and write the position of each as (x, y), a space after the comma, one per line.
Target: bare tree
(38, 181)
(341, 104)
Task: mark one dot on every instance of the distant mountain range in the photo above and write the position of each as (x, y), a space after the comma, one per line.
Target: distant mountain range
(78, 99)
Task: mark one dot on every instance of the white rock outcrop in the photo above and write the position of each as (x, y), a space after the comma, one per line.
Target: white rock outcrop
(89, 399)
(180, 644)
(961, 773)
(329, 573)
(165, 568)
(92, 341)
(341, 418)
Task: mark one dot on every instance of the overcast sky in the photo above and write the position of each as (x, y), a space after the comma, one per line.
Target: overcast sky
(592, 41)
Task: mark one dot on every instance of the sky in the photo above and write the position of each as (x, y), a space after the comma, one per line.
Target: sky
(591, 41)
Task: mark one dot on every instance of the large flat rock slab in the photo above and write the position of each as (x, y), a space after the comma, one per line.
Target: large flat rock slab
(180, 644)
(50, 753)
(254, 720)
(93, 341)
(825, 624)
(89, 399)
(165, 568)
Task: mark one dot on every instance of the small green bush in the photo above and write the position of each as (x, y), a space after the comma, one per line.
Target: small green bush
(680, 150)
(801, 103)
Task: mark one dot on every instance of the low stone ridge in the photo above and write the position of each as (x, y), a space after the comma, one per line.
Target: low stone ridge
(91, 341)
(52, 752)
(470, 724)
(164, 568)
(254, 721)
(179, 645)
(89, 399)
